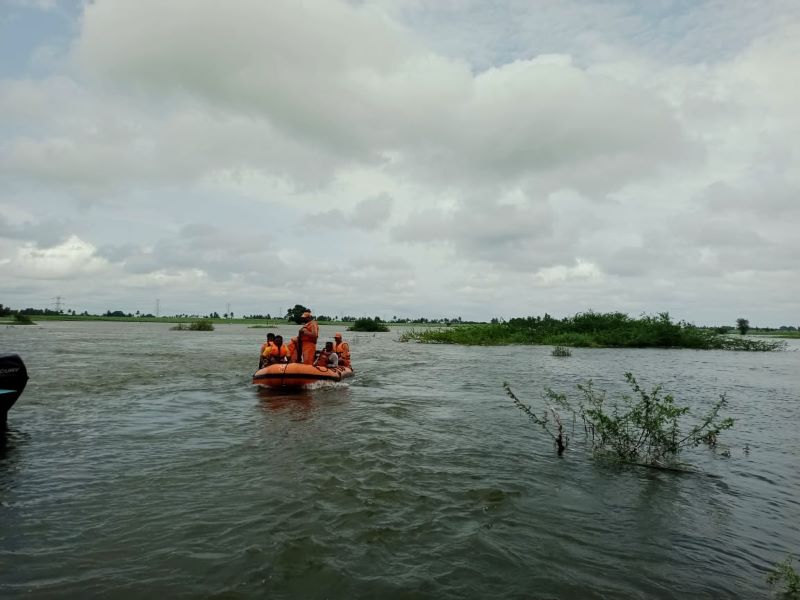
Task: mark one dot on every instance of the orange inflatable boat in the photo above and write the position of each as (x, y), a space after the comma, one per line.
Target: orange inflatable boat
(298, 375)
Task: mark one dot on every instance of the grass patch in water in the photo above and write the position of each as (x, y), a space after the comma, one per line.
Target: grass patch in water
(201, 325)
(368, 324)
(592, 330)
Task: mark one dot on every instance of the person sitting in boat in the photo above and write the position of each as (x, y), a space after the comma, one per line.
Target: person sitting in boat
(278, 352)
(327, 357)
(307, 337)
(266, 350)
(342, 349)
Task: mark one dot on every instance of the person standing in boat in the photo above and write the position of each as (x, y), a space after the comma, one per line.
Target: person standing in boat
(327, 357)
(278, 352)
(307, 337)
(342, 349)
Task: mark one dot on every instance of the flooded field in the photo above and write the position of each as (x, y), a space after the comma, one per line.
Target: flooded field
(141, 461)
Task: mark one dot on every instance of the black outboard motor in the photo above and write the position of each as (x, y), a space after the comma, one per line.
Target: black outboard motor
(13, 378)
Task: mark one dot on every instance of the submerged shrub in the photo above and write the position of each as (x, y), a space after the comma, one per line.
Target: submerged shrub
(20, 319)
(561, 351)
(368, 324)
(201, 325)
(785, 573)
(549, 420)
(747, 345)
(640, 429)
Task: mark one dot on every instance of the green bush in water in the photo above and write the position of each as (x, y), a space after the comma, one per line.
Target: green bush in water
(20, 319)
(643, 429)
(201, 325)
(368, 324)
(785, 573)
(590, 329)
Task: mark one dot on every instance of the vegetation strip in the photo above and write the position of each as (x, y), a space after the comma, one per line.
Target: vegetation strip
(593, 330)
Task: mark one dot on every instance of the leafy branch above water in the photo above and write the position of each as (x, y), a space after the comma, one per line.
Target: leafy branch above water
(641, 429)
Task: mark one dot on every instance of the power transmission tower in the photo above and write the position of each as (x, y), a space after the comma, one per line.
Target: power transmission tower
(58, 303)
(228, 309)
(158, 307)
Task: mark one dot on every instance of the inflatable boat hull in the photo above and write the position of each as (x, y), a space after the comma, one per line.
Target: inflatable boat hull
(298, 375)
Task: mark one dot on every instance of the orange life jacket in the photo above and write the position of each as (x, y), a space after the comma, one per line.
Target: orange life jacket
(309, 331)
(343, 350)
(308, 335)
(279, 352)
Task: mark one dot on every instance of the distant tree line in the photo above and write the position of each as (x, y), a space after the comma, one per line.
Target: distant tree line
(294, 315)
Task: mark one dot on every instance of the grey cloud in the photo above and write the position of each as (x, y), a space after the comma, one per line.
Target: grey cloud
(717, 231)
(500, 234)
(371, 213)
(489, 224)
(772, 196)
(197, 246)
(117, 254)
(382, 263)
(368, 215)
(327, 217)
(47, 233)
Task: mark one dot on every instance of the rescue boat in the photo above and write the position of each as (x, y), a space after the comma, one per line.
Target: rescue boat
(298, 375)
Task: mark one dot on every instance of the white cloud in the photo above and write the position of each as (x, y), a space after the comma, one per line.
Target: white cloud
(72, 258)
(362, 89)
(581, 271)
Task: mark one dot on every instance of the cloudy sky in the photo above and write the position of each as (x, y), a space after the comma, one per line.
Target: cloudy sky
(438, 158)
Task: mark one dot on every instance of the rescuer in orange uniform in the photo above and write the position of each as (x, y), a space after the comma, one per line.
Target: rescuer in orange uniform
(342, 349)
(307, 337)
(278, 352)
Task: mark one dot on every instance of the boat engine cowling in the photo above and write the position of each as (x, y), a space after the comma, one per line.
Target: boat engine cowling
(13, 378)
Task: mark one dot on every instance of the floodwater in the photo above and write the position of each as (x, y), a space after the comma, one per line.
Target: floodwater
(141, 462)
